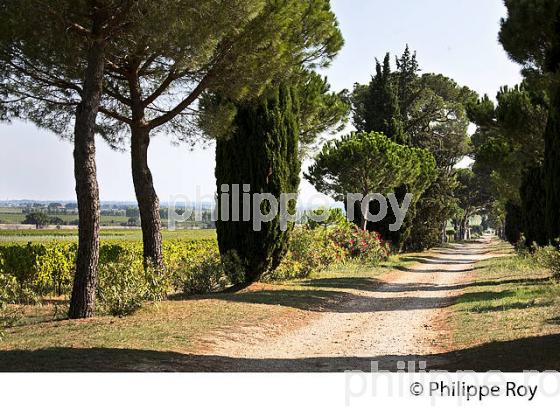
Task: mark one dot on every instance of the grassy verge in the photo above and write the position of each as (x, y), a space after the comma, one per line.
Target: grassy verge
(173, 331)
(508, 318)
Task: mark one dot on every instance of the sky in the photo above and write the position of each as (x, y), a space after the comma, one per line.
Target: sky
(457, 38)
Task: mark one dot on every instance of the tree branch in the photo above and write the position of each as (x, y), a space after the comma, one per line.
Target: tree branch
(114, 115)
(162, 87)
(191, 98)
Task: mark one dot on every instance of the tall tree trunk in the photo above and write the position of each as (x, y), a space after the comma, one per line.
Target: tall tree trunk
(82, 303)
(464, 229)
(148, 201)
(457, 228)
(444, 238)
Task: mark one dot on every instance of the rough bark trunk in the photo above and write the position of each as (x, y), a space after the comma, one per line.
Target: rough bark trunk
(148, 201)
(464, 229)
(82, 303)
(457, 228)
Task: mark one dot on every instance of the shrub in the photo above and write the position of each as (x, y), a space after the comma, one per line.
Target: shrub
(204, 277)
(360, 244)
(289, 268)
(45, 269)
(9, 289)
(476, 230)
(55, 269)
(125, 285)
(309, 250)
(549, 257)
(195, 267)
(40, 268)
(9, 294)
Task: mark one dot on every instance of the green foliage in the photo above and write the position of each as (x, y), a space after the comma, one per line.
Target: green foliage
(9, 290)
(509, 137)
(310, 250)
(315, 250)
(376, 106)
(366, 246)
(263, 153)
(328, 216)
(206, 277)
(531, 36)
(234, 47)
(473, 196)
(39, 219)
(123, 286)
(320, 109)
(435, 207)
(368, 163)
(427, 112)
(551, 169)
(10, 294)
(471, 191)
(44, 268)
(198, 271)
(549, 257)
(530, 33)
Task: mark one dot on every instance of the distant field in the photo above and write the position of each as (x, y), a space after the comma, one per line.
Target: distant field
(45, 235)
(7, 217)
(10, 210)
(15, 216)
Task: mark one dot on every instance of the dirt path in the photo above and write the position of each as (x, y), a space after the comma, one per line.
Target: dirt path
(401, 319)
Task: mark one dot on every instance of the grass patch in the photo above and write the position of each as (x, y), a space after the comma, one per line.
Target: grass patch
(168, 332)
(512, 302)
(42, 342)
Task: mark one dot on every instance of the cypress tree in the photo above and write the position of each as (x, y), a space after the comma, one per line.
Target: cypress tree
(531, 36)
(533, 204)
(513, 222)
(552, 169)
(407, 79)
(377, 104)
(262, 152)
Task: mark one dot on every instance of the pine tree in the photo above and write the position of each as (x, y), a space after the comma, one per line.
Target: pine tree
(185, 48)
(262, 152)
(53, 76)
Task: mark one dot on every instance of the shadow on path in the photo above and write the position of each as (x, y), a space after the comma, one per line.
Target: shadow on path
(420, 270)
(532, 353)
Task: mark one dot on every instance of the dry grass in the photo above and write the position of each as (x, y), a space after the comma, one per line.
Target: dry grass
(512, 309)
(43, 341)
